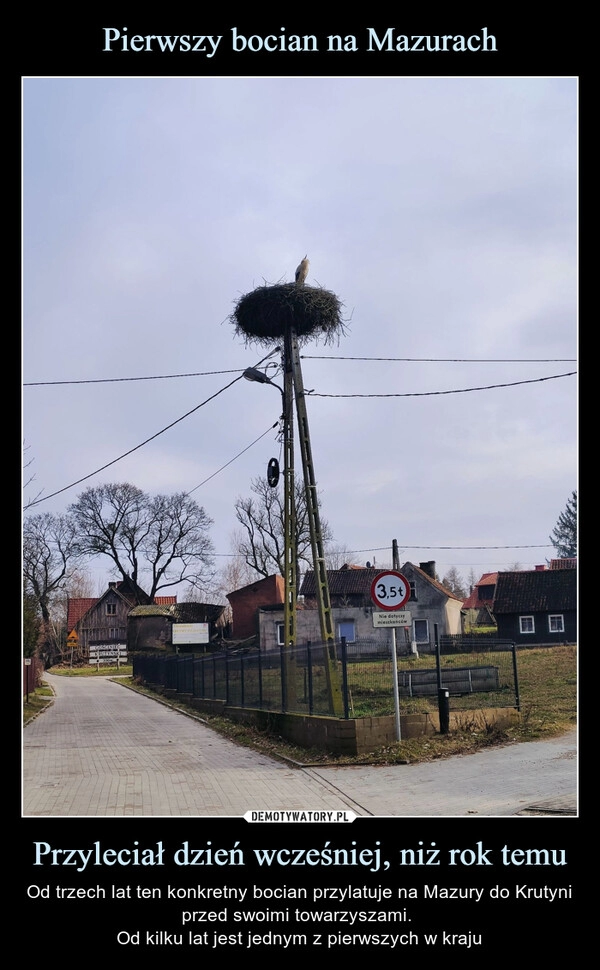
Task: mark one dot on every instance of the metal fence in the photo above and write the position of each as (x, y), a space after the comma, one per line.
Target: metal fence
(346, 680)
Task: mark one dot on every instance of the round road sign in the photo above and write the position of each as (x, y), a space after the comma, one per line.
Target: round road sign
(390, 590)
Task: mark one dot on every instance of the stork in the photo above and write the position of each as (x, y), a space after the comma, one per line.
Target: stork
(302, 271)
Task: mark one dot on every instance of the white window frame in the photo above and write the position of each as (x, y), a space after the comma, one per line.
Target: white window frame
(279, 633)
(413, 589)
(111, 609)
(557, 617)
(531, 619)
(424, 639)
(347, 623)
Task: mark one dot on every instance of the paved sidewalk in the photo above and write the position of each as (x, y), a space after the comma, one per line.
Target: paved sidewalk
(537, 777)
(104, 750)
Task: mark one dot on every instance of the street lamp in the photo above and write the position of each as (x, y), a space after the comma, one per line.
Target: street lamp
(254, 374)
(260, 377)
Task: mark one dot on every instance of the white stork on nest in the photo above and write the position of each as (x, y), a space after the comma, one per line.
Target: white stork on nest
(302, 271)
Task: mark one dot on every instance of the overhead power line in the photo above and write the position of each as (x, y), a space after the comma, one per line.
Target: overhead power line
(235, 457)
(137, 447)
(451, 360)
(115, 380)
(211, 373)
(388, 548)
(142, 443)
(460, 390)
(544, 545)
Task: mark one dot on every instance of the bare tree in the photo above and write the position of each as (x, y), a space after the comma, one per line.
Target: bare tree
(28, 479)
(163, 538)
(455, 583)
(262, 538)
(81, 585)
(337, 556)
(236, 572)
(110, 520)
(50, 552)
(177, 547)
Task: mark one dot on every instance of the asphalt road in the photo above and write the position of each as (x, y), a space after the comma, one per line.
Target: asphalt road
(104, 750)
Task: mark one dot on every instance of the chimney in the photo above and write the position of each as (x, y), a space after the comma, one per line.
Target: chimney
(428, 567)
(540, 569)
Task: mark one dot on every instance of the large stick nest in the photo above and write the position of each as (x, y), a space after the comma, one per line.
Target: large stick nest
(266, 314)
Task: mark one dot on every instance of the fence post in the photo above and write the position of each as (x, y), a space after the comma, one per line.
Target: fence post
(516, 676)
(259, 677)
(310, 676)
(438, 659)
(345, 678)
(443, 695)
(283, 680)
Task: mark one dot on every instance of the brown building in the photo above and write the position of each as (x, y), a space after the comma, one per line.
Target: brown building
(246, 602)
(96, 626)
(150, 628)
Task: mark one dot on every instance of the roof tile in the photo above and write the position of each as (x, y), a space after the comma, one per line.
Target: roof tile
(536, 591)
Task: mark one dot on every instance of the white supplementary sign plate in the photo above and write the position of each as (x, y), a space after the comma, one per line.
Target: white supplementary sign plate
(401, 618)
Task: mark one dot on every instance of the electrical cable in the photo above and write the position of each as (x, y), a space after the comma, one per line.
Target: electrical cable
(451, 360)
(353, 552)
(210, 373)
(233, 459)
(151, 438)
(114, 380)
(461, 390)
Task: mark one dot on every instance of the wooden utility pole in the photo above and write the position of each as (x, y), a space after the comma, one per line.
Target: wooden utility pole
(289, 528)
(316, 534)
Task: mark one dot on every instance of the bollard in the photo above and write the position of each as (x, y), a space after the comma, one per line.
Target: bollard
(444, 709)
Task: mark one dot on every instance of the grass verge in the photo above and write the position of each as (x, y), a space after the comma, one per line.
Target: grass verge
(36, 702)
(93, 670)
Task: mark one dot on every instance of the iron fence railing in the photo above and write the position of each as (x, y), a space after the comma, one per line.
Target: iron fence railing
(346, 680)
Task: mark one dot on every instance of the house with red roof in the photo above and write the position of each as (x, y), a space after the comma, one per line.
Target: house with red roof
(98, 626)
(477, 608)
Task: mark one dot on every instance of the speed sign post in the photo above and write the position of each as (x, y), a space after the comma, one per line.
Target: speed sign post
(390, 590)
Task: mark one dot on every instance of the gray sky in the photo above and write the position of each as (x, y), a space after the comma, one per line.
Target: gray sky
(441, 211)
